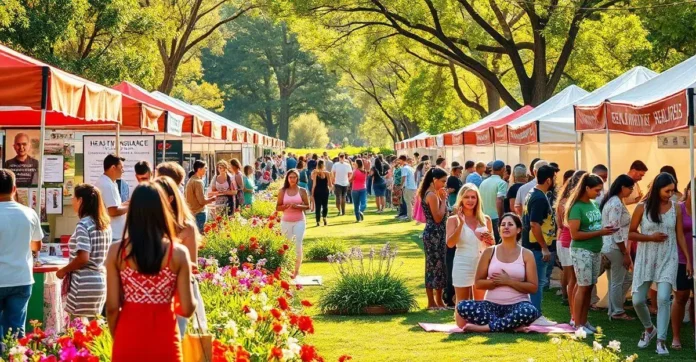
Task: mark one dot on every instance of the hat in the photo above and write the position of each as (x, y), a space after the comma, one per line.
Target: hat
(456, 165)
(498, 165)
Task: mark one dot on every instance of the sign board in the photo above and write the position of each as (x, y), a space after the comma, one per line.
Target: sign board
(173, 153)
(673, 141)
(133, 148)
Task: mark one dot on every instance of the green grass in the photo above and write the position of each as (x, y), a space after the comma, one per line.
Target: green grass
(398, 338)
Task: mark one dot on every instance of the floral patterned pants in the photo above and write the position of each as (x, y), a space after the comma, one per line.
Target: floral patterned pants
(500, 318)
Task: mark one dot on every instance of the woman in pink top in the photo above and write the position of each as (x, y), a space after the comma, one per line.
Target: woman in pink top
(568, 280)
(359, 194)
(508, 274)
(293, 201)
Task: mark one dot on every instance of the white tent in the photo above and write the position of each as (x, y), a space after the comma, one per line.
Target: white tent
(458, 152)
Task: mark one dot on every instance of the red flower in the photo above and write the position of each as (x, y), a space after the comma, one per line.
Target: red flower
(49, 359)
(306, 303)
(285, 285)
(304, 323)
(241, 247)
(257, 290)
(242, 355)
(281, 252)
(277, 328)
(253, 239)
(270, 225)
(286, 246)
(94, 329)
(293, 319)
(344, 358)
(24, 341)
(80, 340)
(308, 353)
(206, 229)
(233, 271)
(246, 309)
(218, 219)
(276, 313)
(277, 272)
(276, 352)
(283, 303)
(64, 341)
(214, 225)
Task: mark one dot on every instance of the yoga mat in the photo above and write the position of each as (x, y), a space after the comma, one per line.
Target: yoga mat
(308, 281)
(452, 328)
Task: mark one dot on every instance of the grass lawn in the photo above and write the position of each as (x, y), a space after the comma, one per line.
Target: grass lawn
(398, 338)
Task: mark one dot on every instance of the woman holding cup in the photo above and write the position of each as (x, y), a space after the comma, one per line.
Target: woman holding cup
(433, 196)
(469, 229)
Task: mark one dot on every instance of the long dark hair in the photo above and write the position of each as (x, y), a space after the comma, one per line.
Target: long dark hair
(652, 201)
(670, 170)
(91, 205)
(149, 221)
(433, 174)
(588, 180)
(616, 187)
(286, 183)
(359, 164)
(568, 187)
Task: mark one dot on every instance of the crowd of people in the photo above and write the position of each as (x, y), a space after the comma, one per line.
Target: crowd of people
(493, 235)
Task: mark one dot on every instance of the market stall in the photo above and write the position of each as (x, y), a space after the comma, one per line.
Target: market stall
(491, 136)
(460, 144)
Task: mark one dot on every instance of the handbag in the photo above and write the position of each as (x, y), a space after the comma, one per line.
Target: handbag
(197, 347)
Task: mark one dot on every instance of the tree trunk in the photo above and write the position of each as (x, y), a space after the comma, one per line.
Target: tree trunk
(284, 118)
(493, 98)
(167, 84)
(271, 127)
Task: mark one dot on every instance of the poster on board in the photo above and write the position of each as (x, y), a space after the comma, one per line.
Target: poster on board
(22, 155)
(53, 167)
(133, 148)
(173, 153)
(54, 201)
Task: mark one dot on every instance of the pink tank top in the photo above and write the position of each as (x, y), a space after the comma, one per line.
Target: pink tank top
(292, 215)
(506, 295)
(565, 237)
(359, 179)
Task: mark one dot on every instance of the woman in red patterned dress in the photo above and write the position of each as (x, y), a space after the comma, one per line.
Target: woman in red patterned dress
(144, 273)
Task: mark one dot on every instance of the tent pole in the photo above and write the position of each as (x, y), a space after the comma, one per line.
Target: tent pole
(608, 155)
(495, 156)
(42, 145)
(538, 149)
(164, 147)
(577, 159)
(191, 152)
(118, 140)
(693, 201)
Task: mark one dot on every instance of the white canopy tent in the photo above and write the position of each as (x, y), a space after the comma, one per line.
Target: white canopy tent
(460, 152)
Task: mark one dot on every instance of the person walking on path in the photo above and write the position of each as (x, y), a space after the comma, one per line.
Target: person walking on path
(469, 233)
(657, 259)
(378, 174)
(144, 272)
(322, 184)
(342, 173)
(89, 243)
(507, 272)
(195, 195)
(615, 247)
(293, 200)
(493, 191)
(433, 197)
(359, 194)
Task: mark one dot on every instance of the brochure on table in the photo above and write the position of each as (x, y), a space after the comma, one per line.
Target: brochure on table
(133, 148)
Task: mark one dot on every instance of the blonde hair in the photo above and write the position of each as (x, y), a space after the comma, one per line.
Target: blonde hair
(478, 209)
(224, 164)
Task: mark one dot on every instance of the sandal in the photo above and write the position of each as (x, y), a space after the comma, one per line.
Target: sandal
(676, 347)
(621, 317)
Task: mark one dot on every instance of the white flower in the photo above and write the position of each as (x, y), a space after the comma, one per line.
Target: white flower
(225, 314)
(252, 315)
(250, 332)
(596, 346)
(263, 298)
(232, 326)
(287, 354)
(615, 346)
(555, 340)
(293, 346)
(580, 333)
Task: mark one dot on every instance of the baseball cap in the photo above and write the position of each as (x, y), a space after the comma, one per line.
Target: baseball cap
(456, 165)
(498, 165)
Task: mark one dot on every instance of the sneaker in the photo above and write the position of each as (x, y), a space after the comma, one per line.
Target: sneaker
(646, 337)
(571, 323)
(543, 321)
(662, 348)
(590, 327)
(587, 331)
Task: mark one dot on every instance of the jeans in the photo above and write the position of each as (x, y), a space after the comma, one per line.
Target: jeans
(541, 266)
(664, 306)
(549, 270)
(13, 309)
(620, 281)
(402, 207)
(358, 206)
(369, 185)
(201, 218)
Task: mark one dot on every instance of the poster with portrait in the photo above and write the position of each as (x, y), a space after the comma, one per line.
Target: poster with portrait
(22, 155)
(54, 201)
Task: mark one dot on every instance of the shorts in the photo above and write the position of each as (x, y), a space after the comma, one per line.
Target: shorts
(586, 265)
(564, 256)
(340, 191)
(683, 281)
(379, 189)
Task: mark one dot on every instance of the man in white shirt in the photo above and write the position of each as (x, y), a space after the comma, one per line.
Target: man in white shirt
(529, 186)
(601, 171)
(20, 234)
(636, 172)
(341, 171)
(106, 183)
(408, 180)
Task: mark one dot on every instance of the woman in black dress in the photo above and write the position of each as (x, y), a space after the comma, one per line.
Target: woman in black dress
(434, 203)
(321, 184)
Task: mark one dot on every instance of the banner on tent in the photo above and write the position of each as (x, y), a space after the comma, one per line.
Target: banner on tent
(525, 135)
(483, 138)
(500, 135)
(458, 139)
(668, 114)
(440, 141)
(590, 118)
(175, 124)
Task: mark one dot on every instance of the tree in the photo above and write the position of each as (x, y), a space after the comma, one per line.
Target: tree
(307, 131)
(519, 49)
(268, 79)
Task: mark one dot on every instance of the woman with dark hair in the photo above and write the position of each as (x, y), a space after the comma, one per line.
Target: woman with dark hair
(615, 247)
(568, 281)
(358, 182)
(238, 178)
(321, 185)
(144, 274)
(378, 173)
(293, 200)
(433, 196)
(303, 180)
(657, 258)
(186, 233)
(507, 272)
(685, 285)
(86, 284)
(585, 224)
(249, 185)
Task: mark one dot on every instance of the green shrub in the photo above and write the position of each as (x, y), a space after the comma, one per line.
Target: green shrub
(261, 207)
(237, 240)
(366, 281)
(322, 248)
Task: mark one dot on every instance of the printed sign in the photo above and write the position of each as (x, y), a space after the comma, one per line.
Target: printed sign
(173, 153)
(673, 141)
(22, 155)
(458, 139)
(591, 118)
(53, 167)
(483, 138)
(500, 134)
(666, 115)
(175, 124)
(133, 149)
(524, 135)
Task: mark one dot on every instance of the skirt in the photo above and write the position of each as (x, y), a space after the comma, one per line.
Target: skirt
(464, 271)
(397, 194)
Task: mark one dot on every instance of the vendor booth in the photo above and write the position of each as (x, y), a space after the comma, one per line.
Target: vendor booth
(460, 144)
(491, 139)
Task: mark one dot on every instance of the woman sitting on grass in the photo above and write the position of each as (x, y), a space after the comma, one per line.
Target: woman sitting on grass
(508, 274)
